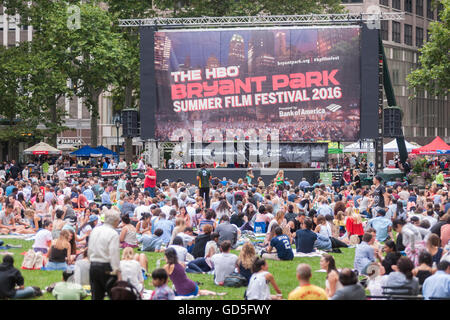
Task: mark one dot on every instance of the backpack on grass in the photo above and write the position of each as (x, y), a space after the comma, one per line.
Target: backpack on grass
(124, 290)
(33, 260)
(235, 280)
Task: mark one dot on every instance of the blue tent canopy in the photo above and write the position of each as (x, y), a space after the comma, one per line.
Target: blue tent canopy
(86, 151)
(105, 151)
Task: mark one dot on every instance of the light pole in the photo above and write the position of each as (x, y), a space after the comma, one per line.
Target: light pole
(117, 122)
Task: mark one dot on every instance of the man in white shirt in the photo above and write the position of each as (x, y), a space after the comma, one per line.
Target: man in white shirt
(428, 215)
(112, 165)
(143, 207)
(67, 190)
(166, 207)
(122, 165)
(61, 174)
(180, 249)
(25, 173)
(224, 263)
(104, 254)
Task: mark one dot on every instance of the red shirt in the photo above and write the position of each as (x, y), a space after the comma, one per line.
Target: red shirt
(150, 183)
(354, 228)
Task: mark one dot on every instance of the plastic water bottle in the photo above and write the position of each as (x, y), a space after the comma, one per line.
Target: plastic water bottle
(158, 263)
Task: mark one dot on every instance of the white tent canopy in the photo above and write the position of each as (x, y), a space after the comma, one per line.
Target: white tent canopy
(41, 148)
(393, 147)
(360, 146)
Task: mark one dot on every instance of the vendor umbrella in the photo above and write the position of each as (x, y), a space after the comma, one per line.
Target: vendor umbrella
(42, 148)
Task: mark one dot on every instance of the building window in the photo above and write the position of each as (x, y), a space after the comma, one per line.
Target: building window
(419, 8)
(408, 6)
(384, 3)
(396, 4)
(419, 37)
(408, 34)
(430, 11)
(397, 54)
(395, 77)
(385, 30)
(396, 31)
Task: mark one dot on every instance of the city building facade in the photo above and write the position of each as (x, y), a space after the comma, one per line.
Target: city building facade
(424, 117)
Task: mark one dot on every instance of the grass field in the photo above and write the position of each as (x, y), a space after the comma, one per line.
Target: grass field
(283, 271)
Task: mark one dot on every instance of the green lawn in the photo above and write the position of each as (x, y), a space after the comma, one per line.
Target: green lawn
(283, 271)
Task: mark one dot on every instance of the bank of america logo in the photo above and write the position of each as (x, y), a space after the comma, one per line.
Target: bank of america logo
(334, 107)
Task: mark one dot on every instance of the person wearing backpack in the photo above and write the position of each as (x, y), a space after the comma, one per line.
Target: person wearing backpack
(258, 286)
(11, 277)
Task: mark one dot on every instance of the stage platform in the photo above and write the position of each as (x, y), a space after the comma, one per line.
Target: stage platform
(189, 175)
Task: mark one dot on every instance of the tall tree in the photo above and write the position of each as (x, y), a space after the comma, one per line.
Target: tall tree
(433, 73)
(96, 51)
(218, 8)
(28, 92)
(125, 94)
(89, 55)
(47, 68)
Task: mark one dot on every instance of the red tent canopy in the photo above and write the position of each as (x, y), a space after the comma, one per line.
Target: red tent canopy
(437, 146)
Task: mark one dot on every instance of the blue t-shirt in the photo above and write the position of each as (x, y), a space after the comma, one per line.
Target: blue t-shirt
(304, 240)
(167, 227)
(283, 246)
(9, 190)
(381, 225)
(447, 206)
(151, 243)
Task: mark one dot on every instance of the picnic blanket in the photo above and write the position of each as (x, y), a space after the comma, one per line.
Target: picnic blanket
(10, 246)
(15, 236)
(317, 253)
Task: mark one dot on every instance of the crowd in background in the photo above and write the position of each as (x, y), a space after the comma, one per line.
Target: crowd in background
(400, 233)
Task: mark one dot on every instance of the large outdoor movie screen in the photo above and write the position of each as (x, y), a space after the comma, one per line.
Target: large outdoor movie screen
(302, 82)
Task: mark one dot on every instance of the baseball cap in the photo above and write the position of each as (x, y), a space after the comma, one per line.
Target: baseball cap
(93, 218)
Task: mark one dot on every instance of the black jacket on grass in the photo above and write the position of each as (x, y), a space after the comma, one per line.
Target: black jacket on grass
(199, 246)
(9, 278)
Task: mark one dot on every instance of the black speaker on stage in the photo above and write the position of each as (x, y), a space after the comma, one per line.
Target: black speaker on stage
(130, 123)
(392, 122)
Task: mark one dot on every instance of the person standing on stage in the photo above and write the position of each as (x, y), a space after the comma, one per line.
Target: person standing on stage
(204, 178)
(150, 180)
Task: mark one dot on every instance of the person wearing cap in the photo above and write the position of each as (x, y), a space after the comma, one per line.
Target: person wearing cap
(382, 225)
